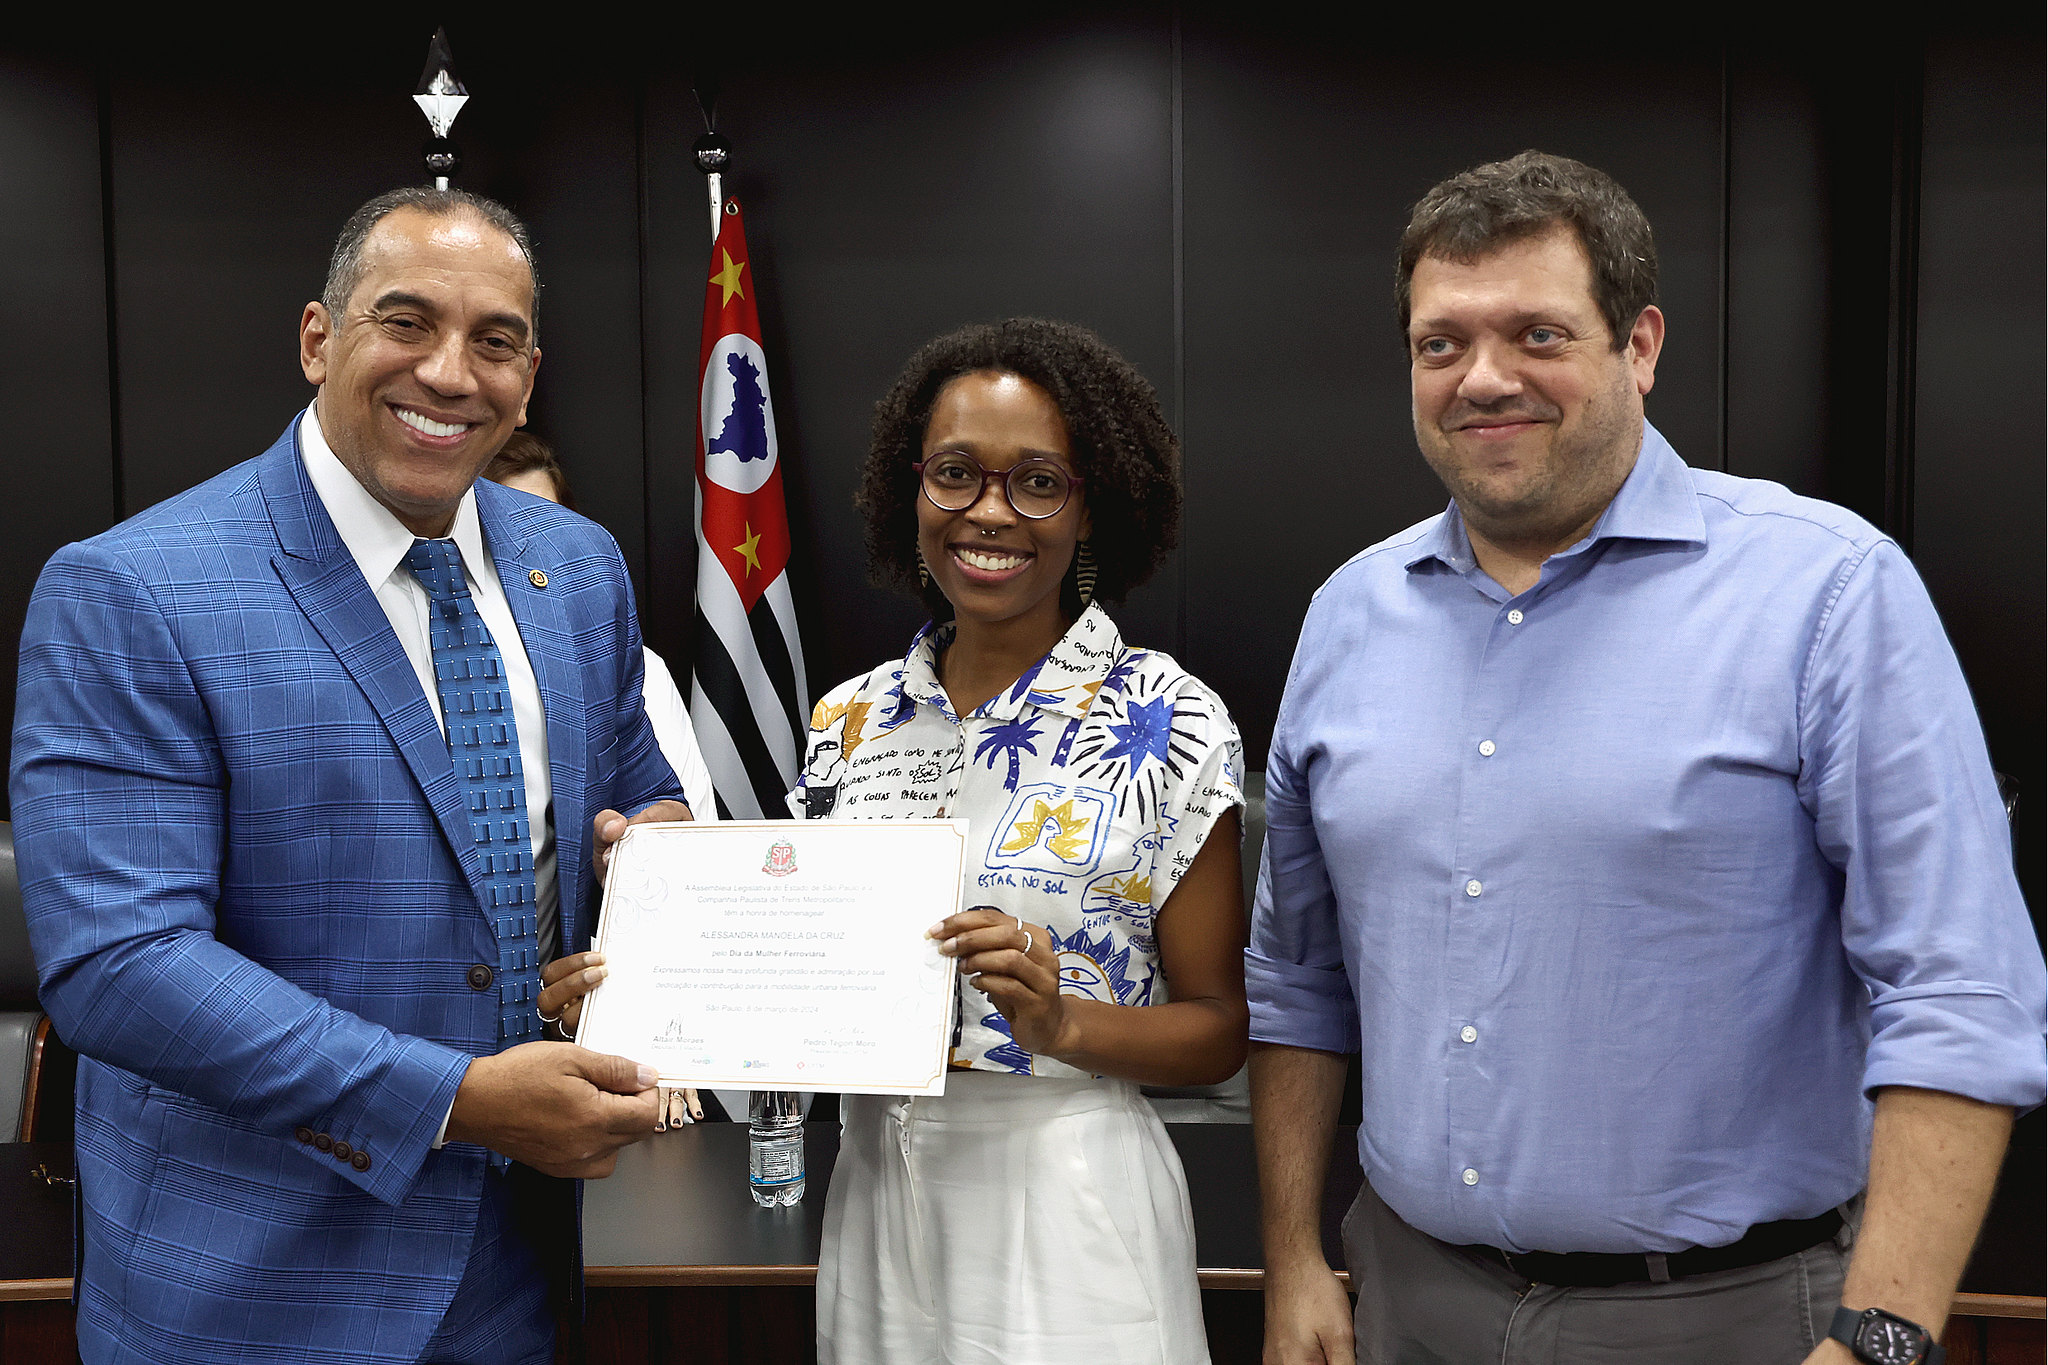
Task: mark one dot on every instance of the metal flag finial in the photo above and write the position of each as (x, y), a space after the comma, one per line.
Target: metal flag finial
(711, 152)
(440, 97)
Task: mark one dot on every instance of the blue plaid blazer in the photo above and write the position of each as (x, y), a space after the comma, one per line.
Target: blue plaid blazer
(253, 901)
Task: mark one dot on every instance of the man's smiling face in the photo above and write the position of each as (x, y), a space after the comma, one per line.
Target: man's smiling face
(430, 367)
(1523, 406)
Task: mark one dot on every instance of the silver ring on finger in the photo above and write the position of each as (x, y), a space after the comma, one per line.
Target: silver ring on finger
(1027, 943)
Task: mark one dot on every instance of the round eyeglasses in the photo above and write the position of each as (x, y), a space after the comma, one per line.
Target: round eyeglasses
(954, 482)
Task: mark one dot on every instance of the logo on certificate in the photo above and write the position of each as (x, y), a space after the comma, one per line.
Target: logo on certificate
(781, 859)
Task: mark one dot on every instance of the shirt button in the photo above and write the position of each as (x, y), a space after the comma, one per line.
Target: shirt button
(1469, 1034)
(361, 1160)
(1473, 888)
(1486, 748)
(1471, 1177)
(480, 977)
(1515, 617)
(342, 1151)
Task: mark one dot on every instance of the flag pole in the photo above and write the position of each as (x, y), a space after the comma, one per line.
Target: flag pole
(440, 97)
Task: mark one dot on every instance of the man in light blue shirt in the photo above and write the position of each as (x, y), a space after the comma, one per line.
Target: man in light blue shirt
(1635, 821)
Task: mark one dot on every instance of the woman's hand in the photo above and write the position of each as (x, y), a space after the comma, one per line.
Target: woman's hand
(1195, 1037)
(563, 984)
(679, 1107)
(1013, 964)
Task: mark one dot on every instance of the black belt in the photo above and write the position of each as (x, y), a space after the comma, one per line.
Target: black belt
(1600, 1269)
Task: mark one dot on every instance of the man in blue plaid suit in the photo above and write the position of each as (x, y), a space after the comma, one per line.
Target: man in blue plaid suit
(254, 877)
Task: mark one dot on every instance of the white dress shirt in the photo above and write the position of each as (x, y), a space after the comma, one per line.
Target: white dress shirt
(379, 542)
(669, 713)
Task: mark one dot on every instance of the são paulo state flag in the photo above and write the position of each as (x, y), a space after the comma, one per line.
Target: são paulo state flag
(748, 697)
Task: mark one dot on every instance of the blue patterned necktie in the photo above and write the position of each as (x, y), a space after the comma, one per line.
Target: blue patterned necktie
(483, 742)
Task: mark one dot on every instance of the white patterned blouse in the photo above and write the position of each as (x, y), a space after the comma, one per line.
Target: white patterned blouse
(1089, 786)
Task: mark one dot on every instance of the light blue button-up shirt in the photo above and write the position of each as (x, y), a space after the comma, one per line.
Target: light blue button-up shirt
(1632, 886)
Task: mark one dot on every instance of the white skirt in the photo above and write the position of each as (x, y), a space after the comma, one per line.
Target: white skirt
(1011, 1221)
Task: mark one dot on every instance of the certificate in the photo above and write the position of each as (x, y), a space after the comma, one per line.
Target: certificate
(780, 954)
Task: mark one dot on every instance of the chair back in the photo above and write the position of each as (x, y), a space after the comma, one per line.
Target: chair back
(21, 1017)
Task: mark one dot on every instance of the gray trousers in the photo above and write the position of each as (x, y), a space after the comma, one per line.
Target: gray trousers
(1425, 1302)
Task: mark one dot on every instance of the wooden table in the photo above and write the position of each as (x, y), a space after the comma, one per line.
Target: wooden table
(35, 1255)
(676, 1215)
(680, 1263)
(677, 1210)
(35, 1250)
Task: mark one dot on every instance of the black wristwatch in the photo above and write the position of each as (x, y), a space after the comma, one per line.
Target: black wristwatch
(1882, 1338)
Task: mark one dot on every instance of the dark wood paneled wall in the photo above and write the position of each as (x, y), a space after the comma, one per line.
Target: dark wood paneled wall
(1841, 239)
(1851, 229)
(60, 475)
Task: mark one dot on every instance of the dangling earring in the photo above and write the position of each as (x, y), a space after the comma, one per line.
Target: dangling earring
(1084, 572)
(924, 575)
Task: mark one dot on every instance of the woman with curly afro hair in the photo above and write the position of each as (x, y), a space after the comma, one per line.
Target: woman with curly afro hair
(1020, 476)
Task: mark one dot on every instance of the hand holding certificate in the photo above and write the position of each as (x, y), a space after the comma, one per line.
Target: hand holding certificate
(780, 954)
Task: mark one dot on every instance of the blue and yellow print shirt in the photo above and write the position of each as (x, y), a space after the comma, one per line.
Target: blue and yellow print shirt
(1089, 786)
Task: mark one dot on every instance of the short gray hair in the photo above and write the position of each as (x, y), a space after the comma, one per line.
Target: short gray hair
(345, 268)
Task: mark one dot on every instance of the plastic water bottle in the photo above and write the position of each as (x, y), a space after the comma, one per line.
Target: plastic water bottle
(775, 1147)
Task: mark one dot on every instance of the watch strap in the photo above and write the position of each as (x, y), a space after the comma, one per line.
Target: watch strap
(1849, 1320)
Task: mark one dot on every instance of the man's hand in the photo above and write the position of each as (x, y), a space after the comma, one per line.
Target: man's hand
(1934, 1158)
(1295, 1092)
(556, 1107)
(1308, 1317)
(609, 827)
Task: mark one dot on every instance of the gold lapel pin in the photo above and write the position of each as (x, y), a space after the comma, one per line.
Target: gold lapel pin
(537, 578)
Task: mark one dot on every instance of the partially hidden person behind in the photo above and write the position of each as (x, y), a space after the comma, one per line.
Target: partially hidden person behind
(1020, 476)
(310, 765)
(530, 465)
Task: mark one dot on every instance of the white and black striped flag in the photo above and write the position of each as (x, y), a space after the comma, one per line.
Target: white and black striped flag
(748, 698)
